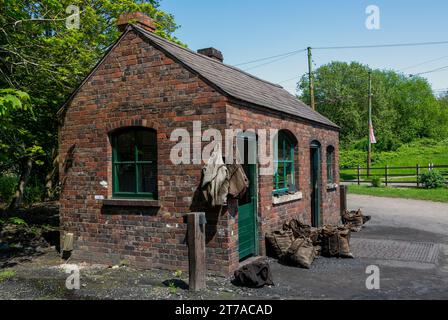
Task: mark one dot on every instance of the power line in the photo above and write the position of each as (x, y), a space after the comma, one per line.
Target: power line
(430, 71)
(285, 55)
(423, 63)
(412, 44)
(270, 62)
(271, 57)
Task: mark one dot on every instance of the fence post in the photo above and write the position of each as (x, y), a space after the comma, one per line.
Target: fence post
(196, 250)
(359, 173)
(418, 176)
(386, 172)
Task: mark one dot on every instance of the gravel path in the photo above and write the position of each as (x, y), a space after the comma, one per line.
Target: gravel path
(394, 212)
(406, 239)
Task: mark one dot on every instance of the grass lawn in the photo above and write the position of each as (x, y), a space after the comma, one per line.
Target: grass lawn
(439, 195)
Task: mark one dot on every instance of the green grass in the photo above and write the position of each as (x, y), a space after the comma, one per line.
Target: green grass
(421, 152)
(439, 195)
(6, 274)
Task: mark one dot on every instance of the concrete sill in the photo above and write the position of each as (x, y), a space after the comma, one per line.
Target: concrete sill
(287, 198)
(131, 203)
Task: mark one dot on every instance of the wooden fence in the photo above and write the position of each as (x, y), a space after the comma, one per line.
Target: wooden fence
(390, 175)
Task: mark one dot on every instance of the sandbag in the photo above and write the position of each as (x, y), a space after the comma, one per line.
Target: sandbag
(354, 220)
(336, 242)
(353, 217)
(301, 253)
(278, 242)
(254, 275)
(301, 230)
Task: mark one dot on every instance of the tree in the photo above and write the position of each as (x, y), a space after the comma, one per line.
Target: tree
(39, 55)
(403, 108)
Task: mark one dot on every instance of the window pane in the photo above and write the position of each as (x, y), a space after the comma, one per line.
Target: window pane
(281, 176)
(126, 177)
(147, 178)
(125, 146)
(289, 175)
(146, 145)
(281, 147)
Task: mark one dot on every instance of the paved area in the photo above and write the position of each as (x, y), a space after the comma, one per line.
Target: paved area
(406, 239)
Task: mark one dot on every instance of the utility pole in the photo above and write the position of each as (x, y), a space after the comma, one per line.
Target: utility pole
(311, 78)
(369, 150)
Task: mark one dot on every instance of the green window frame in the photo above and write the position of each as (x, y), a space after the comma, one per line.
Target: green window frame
(284, 174)
(330, 164)
(134, 163)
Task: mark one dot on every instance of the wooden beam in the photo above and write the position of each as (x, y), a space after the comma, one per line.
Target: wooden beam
(196, 250)
(343, 195)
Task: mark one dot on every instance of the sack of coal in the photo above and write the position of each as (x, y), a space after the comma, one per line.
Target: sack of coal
(254, 275)
(278, 242)
(302, 230)
(301, 253)
(335, 242)
(354, 219)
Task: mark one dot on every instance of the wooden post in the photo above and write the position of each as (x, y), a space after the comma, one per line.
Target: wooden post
(359, 173)
(386, 172)
(343, 196)
(418, 176)
(196, 250)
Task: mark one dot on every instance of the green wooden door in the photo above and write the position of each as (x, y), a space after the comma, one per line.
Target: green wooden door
(247, 208)
(315, 184)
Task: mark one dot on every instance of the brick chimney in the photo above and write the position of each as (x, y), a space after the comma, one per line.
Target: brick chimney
(138, 18)
(212, 53)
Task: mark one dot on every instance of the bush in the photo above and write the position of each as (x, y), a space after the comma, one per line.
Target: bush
(432, 179)
(376, 182)
(8, 184)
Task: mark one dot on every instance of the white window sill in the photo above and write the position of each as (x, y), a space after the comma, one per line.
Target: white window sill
(332, 186)
(287, 198)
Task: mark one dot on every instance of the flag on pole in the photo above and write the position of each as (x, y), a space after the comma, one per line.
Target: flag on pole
(371, 133)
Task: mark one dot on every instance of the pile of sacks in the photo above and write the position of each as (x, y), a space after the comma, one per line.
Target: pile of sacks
(298, 244)
(354, 220)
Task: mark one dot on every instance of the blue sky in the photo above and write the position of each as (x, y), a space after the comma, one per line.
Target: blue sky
(246, 30)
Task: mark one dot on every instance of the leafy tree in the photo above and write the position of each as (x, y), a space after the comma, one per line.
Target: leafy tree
(41, 63)
(404, 108)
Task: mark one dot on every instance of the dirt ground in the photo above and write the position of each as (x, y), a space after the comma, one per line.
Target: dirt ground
(406, 240)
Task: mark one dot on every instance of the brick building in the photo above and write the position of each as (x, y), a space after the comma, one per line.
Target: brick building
(124, 199)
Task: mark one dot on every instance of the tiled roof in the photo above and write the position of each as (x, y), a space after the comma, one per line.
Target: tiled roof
(237, 83)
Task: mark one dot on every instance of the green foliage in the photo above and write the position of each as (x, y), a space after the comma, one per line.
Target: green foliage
(432, 179)
(404, 109)
(8, 184)
(439, 195)
(42, 62)
(422, 151)
(376, 182)
(17, 221)
(12, 100)
(6, 274)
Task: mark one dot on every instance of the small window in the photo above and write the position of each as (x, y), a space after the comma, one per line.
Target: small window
(134, 162)
(330, 165)
(284, 179)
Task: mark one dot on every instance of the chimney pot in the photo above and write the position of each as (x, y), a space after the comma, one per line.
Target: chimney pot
(212, 53)
(139, 18)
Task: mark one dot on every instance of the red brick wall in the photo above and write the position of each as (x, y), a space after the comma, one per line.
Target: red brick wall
(137, 85)
(273, 216)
